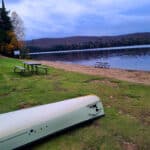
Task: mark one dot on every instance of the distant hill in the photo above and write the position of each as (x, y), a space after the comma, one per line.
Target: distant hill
(83, 42)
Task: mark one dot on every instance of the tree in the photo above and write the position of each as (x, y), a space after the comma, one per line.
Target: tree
(13, 44)
(18, 27)
(5, 28)
(11, 32)
(5, 19)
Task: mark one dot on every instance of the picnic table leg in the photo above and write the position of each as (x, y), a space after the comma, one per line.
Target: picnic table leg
(36, 69)
(32, 68)
(28, 68)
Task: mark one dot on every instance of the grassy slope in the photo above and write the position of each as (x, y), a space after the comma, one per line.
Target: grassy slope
(127, 107)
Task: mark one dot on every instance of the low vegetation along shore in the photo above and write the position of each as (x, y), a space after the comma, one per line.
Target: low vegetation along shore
(127, 107)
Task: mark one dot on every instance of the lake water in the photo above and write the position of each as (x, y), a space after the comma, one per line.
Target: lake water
(131, 59)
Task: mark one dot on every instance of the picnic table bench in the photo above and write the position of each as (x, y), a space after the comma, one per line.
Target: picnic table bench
(20, 68)
(43, 68)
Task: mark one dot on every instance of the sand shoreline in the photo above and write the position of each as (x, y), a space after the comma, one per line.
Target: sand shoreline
(126, 75)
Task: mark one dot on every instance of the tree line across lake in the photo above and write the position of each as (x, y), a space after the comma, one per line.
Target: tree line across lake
(76, 43)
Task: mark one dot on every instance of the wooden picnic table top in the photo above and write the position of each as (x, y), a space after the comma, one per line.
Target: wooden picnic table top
(31, 63)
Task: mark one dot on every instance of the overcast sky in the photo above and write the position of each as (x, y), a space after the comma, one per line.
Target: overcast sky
(60, 18)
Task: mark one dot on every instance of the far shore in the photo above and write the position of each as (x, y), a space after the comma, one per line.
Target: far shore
(126, 75)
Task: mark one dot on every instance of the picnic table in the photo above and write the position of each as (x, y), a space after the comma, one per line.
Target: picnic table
(31, 66)
(102, 65)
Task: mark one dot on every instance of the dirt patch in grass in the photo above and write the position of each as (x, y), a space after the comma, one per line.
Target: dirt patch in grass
(4, 95)
(129, 146)
(26, 89)
(15, 79)
(106, 82)
(58, 86)
(131, 96)
(145, 117)
(27, 104)
(109, 83)
(96, 124)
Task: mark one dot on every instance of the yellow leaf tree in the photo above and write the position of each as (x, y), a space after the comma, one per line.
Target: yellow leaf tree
(19, 29)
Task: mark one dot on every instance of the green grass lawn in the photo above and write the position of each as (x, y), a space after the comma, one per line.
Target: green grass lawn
(127, 107)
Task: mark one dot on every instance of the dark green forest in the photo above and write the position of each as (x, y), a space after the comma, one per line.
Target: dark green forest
(99, 42)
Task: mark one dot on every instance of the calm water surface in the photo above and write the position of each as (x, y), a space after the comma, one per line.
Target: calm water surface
(137, 59)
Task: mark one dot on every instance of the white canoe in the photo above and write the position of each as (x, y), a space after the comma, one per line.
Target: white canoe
(21, 127)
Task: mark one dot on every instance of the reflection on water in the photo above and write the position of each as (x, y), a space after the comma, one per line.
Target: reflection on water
(137, 59)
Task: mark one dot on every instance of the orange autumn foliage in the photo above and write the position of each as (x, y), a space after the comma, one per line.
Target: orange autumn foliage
(13, 44)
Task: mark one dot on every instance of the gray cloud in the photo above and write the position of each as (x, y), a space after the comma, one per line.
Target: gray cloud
(73, 17)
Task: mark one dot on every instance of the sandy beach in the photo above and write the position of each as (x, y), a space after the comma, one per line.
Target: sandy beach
(126, 75)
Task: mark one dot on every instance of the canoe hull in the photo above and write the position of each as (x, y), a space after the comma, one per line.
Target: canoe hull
(89, 111)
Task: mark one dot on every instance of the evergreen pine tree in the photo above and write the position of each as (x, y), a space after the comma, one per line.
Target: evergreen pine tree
(5, 28)
(6, 22)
